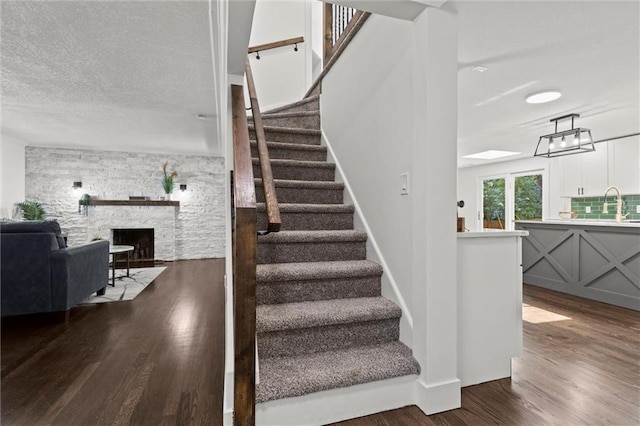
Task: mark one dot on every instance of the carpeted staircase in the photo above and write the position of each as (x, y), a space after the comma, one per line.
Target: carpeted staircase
(321, 320)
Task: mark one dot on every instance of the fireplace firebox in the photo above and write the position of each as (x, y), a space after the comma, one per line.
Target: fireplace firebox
(142, 240)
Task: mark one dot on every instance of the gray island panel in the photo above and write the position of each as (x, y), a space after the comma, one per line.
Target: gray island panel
(584, 259)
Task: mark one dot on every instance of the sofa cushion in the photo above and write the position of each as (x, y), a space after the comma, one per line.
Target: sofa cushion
(35, 226)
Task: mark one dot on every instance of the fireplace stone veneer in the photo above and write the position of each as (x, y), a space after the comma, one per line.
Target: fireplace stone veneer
(102, 219)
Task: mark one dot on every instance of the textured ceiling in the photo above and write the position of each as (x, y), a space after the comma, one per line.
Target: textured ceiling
(589, 50)
(132, 75)
(113, 75)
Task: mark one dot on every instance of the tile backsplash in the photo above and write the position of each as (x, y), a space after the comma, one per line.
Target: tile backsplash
(629, 203)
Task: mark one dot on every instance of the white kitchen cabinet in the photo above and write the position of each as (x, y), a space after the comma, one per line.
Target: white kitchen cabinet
(585, 174)
(624, 165)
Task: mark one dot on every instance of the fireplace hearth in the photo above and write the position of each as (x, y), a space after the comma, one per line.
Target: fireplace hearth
(142, 240)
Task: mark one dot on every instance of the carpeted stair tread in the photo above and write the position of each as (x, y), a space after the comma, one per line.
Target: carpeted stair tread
(313, 237)
(310, 208)
(310, 216)
(297, 163)
(288, 316)
(300, 375)
(278, 272)
(312, 246)
(297, 119)
(292, 151)
(288, 114)
(298, 170)
(292, 146)
(304, 184)
(291, 130)
(304, 191)
(308, 281)
(296, 135)
(311, 103)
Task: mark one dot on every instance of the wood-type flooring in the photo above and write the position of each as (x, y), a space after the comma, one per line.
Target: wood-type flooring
(155, 360)
(584, 371)
(158, 360)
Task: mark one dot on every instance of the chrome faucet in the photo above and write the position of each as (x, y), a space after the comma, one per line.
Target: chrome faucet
(605, 206)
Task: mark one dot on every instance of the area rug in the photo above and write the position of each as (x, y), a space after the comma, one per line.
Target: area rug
(126, 288)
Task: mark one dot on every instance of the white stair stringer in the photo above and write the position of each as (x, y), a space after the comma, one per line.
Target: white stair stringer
(339, 404)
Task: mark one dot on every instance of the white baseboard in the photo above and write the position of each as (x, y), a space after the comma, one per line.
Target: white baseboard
(338, 404)
(437, 397)
(227, 403)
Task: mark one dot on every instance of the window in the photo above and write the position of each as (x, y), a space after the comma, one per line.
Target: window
(516, 196)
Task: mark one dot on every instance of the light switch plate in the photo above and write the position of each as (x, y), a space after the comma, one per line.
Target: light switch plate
(404, 184)
(587, 209)
(638, 208)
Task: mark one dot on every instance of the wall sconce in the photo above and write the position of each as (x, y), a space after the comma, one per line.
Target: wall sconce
(183, 187)
(77, 185)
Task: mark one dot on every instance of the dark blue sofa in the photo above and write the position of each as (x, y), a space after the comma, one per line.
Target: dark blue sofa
(39, 273)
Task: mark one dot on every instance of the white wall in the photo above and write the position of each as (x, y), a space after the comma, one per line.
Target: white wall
(199, 222)
(281, 75)
(470, 178)
(389, 106)
(12, 175)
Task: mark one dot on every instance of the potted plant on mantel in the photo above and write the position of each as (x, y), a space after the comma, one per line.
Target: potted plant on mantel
(168, 180)
(32, 210)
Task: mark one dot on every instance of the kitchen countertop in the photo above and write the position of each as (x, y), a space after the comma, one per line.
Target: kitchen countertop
(583, 222)
(492, 233)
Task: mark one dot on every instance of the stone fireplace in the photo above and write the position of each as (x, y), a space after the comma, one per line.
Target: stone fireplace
(142, 240)
(103, 220)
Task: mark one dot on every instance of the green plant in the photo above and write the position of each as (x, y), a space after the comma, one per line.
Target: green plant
(32, 210)
(167, 178)
(96, 238)
(84, 200)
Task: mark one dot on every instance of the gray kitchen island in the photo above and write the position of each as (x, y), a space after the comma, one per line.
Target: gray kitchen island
(598, 260)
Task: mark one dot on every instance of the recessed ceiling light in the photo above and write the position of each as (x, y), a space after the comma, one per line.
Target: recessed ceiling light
(480, 68)
(543, 97)
(491, 155)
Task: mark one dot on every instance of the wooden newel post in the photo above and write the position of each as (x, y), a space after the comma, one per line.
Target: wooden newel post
(328, 31)
(244, 249)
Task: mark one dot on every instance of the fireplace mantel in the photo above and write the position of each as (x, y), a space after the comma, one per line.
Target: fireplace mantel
(159, 203)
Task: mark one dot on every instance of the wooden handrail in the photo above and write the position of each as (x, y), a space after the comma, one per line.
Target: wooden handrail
(275, 44)
(244, 252)
(333, 52)
(271, 201)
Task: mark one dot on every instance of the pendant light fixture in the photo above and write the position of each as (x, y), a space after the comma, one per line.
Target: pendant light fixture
(565, 142)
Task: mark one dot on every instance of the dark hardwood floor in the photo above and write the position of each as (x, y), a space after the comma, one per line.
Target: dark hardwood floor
(581, 371)
(156, 360)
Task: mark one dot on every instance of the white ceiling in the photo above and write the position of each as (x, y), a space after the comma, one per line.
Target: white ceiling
(130, 75)
(589, 50)
(115, 75)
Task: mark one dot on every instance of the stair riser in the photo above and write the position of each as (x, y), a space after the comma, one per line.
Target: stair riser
(312, 290)
(277, 136)
(300, 122)
(310, 221)
(303, 196)
(310, 252)
(298, 173)
(291, 154)
(328, 338)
